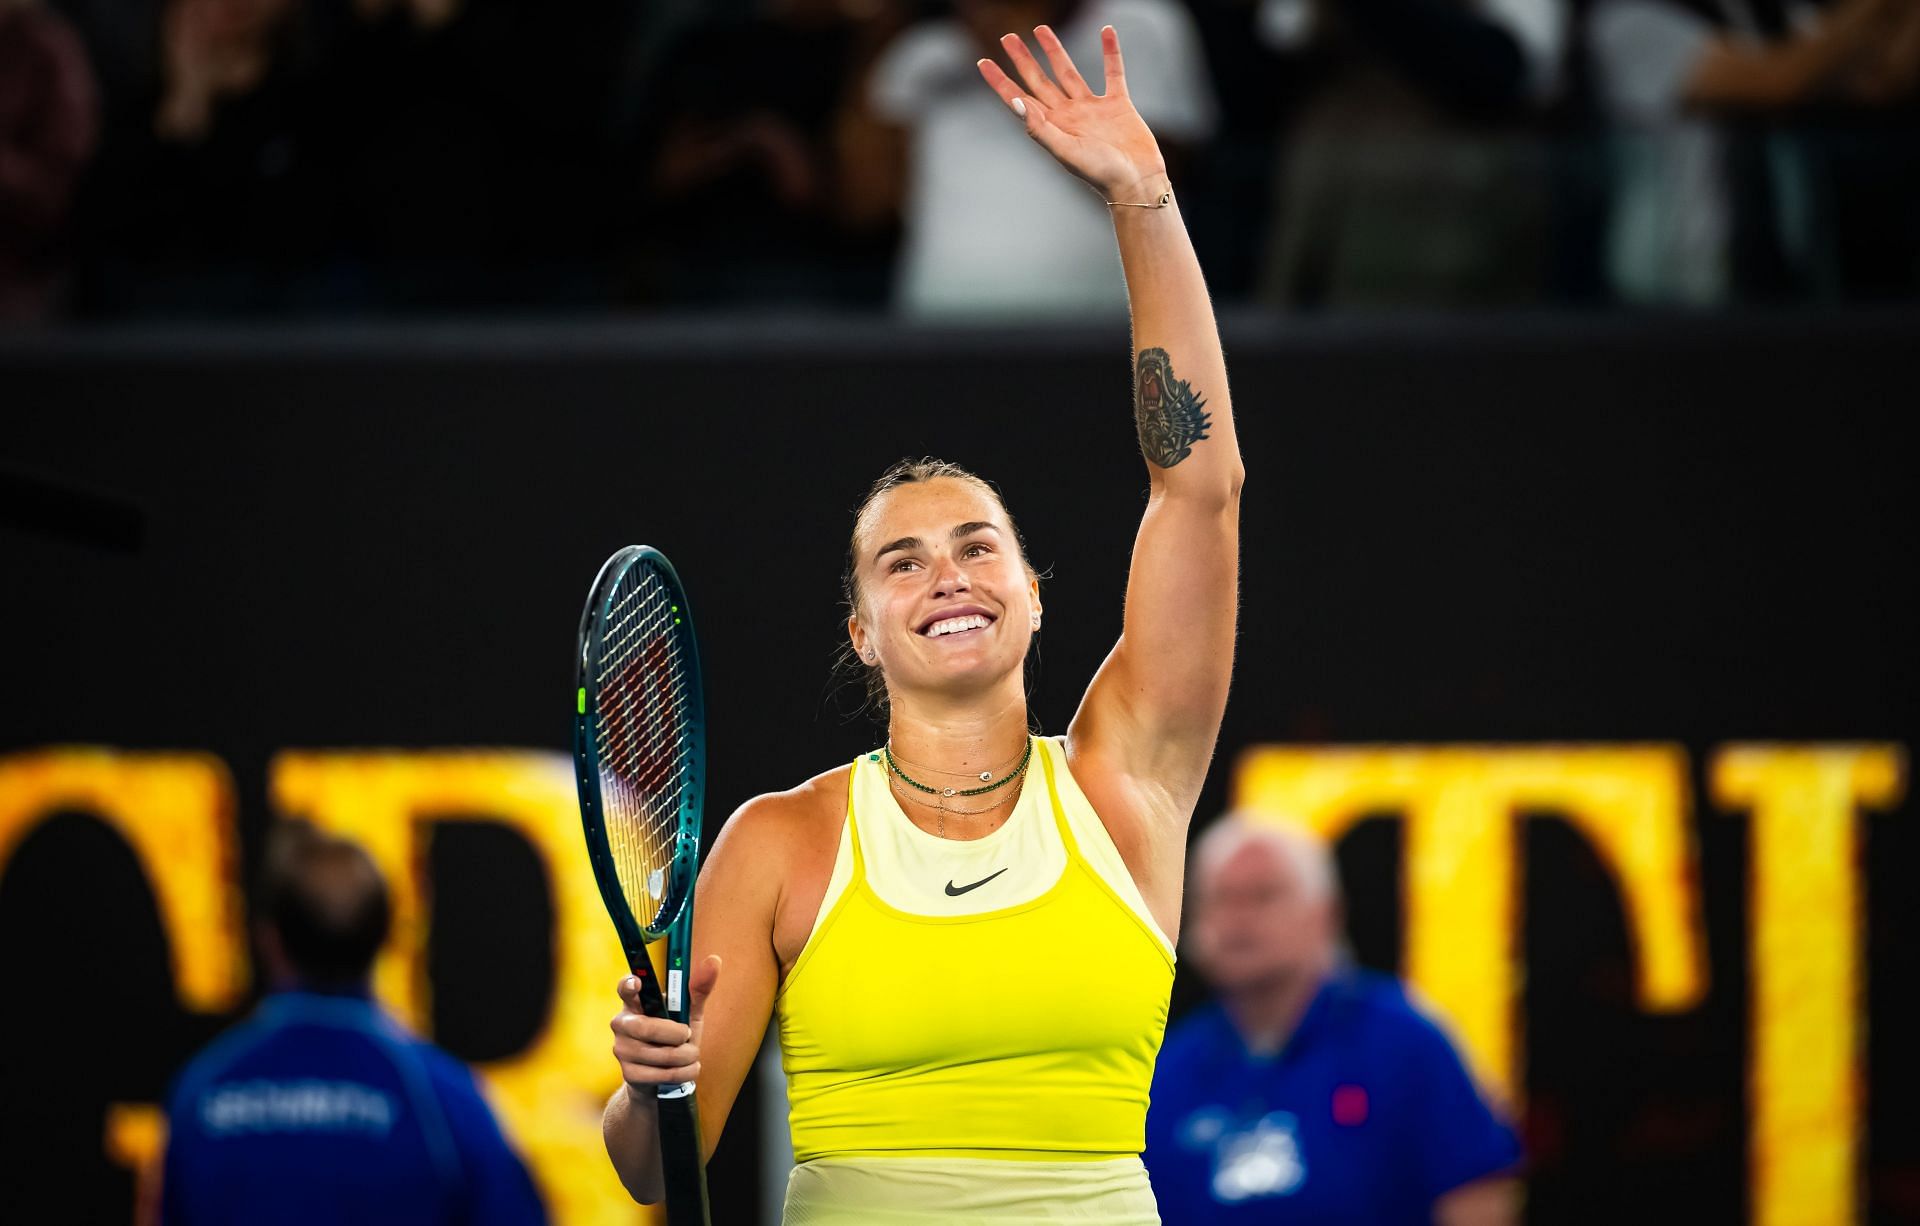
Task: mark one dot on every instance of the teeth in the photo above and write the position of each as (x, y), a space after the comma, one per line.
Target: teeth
(954, 625)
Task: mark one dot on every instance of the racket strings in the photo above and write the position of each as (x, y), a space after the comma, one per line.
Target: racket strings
(641, 698)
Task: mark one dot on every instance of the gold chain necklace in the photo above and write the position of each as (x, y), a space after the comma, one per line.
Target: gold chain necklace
(939, 803)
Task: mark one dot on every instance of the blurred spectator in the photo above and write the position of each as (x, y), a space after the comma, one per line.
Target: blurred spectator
(746, 122)
(1230, 185)
(1713, 198)
(990, 225)
(354, 154)
(1311, 1091)
(48, 125)
(319, 1108)
(467, 142)
(123, 43)
(1411, 173)
(206, 195)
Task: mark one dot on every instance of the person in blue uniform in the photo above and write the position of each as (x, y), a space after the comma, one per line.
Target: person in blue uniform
(1309, 1090)
(319, 1108)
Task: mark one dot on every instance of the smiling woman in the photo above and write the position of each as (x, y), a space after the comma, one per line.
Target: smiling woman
(995, 522)
(966, 935)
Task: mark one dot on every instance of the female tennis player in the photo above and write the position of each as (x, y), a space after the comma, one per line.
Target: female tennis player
(966, 936)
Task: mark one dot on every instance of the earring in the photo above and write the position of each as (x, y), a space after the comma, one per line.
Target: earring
(868, 655)
(1036, 621)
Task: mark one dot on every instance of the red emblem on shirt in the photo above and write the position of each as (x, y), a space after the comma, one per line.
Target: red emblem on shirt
(1350, 1105)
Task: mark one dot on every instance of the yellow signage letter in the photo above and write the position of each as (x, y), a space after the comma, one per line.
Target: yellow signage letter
(1803, 954)
(175, 811)
(1459, 807)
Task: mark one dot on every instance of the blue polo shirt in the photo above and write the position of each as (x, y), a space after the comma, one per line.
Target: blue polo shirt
(320, 1109)
(1365, 1116)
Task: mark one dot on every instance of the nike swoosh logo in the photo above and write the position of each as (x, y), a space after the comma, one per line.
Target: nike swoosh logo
(954, 891)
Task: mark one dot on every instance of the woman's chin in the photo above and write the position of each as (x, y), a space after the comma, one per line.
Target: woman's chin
(961, 675)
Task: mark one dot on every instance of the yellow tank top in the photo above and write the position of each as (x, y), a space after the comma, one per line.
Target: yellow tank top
(1002, 998)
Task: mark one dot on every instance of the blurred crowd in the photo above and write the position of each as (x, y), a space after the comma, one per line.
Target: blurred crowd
(249, 158)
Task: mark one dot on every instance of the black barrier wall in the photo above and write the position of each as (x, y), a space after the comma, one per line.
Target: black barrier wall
(1499, 532)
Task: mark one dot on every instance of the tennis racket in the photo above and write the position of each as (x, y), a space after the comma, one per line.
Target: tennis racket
(640, 754)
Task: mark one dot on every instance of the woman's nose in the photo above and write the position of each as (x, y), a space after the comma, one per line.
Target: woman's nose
(949, 578)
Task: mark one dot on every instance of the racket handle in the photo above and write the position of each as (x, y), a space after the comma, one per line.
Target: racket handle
(679, 986)
(681, 1161)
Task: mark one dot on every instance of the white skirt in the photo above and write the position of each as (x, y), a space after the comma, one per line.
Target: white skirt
(882, 1191)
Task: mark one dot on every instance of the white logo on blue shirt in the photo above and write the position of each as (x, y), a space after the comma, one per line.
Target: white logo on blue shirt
(296, 1106)
(1249, 1160)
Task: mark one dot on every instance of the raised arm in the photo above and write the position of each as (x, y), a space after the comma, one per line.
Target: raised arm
(1153, 712)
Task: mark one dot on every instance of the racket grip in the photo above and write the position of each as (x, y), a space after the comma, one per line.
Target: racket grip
(679, 986)
(682, 1164)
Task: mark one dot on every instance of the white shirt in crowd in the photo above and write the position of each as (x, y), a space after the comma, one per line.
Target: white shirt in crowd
(1668, 238)
(993, 226)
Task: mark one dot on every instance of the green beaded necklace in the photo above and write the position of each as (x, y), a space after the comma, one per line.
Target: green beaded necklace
(1004, 780)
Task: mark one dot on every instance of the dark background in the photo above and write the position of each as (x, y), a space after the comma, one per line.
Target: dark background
(1488, 530)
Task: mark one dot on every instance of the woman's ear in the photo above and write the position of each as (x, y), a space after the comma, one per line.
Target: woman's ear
(861, 647)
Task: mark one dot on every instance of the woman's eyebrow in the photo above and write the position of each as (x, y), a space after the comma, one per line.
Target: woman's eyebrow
(905, 543)
(910, 543)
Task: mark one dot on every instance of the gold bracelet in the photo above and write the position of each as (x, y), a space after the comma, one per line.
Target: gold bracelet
(1166, 198)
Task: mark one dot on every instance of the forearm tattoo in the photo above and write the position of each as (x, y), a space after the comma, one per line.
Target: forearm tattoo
(1169, 416)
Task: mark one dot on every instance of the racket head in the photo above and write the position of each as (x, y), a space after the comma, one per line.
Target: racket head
(639, 743)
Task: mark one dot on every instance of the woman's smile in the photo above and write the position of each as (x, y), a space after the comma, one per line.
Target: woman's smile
(964, 622)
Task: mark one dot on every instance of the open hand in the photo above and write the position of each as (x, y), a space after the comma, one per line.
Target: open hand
(1099, 137)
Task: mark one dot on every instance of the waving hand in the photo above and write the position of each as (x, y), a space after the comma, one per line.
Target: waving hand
(1099, 137)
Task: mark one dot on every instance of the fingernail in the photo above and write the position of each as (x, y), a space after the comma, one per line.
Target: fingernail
(633, 985)
(1020, 107)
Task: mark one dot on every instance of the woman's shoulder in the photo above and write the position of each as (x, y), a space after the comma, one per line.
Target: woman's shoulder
(775, 856)
(795, 817)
